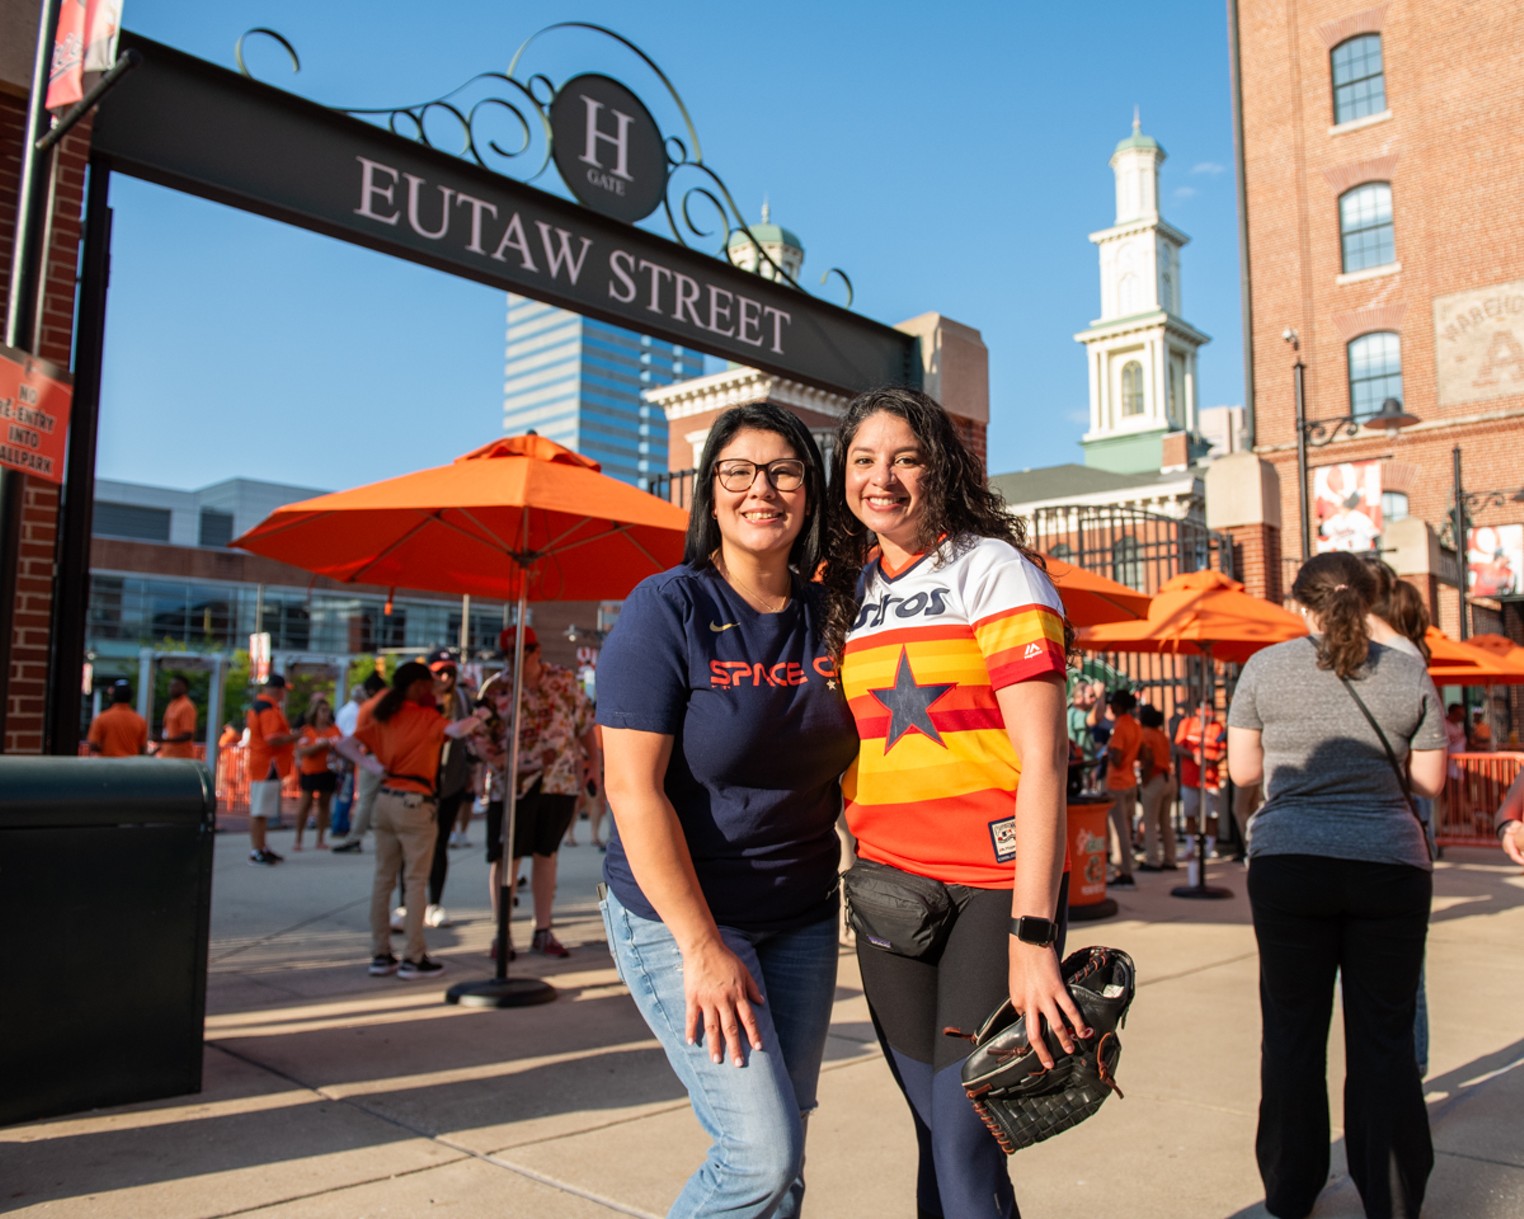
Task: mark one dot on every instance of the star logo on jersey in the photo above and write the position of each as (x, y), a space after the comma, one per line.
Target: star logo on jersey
(909, 704)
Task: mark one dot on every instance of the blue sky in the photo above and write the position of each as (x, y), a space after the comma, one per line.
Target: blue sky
(950, 159)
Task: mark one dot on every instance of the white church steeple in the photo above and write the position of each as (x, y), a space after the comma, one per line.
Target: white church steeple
(1142, 354)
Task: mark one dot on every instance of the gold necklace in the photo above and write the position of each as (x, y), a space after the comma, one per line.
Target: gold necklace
(751, 594)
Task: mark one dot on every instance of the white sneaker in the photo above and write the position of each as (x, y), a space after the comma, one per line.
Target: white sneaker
(398, 915)
(436, 916)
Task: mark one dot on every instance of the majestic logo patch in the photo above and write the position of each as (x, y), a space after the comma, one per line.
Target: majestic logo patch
(1033, 649)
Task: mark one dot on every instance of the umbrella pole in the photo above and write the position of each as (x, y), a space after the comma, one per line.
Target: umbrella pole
(1201, 890)
(501, 990)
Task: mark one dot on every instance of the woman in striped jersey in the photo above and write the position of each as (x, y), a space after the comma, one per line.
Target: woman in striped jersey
(953, 649)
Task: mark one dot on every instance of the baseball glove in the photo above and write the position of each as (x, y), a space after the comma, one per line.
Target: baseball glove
(1018, 1099)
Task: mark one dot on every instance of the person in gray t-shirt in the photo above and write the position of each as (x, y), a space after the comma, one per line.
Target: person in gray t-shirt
(1339, 884)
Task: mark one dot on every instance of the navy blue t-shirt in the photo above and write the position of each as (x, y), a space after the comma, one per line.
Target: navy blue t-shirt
(761, 735)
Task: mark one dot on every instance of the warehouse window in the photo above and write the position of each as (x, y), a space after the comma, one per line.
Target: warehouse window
(1375, 372)
(1365, 227)
(1359, 79)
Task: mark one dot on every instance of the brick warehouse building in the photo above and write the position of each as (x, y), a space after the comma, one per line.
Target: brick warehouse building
(1381, 225)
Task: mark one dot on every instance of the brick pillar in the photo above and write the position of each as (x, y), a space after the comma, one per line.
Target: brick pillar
(1257, 559)
(30, 618)
(1243, 500)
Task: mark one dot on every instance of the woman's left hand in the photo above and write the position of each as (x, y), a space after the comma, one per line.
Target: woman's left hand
(1038, 992)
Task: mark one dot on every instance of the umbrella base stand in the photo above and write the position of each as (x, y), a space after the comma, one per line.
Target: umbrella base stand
(1211, 892)
(501, 992)
(1104, 908)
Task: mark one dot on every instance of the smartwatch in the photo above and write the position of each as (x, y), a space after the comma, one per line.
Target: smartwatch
(1040, 931)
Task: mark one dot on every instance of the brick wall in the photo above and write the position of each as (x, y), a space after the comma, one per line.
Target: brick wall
(30, 617)
(1455, 89)
(1257, 559)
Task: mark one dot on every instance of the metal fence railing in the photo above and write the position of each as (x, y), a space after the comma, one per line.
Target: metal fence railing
(1465, 813)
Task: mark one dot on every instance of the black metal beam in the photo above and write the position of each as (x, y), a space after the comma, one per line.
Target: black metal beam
(71, 560)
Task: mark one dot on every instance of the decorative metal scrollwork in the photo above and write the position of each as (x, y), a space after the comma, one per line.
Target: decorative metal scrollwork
(1325, 431)
(502, 123)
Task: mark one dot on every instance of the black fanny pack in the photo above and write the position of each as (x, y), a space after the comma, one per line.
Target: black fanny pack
(896, 911)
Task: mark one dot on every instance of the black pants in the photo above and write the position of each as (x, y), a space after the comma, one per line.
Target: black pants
(449, 808)
(1315, 917)
(962, 1172)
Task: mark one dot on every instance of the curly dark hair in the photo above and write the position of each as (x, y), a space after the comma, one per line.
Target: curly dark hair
(1340, 589)
(957, 503)
(704, 531)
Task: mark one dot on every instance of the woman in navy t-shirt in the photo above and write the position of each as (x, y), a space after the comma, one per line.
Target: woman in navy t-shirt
(725, 735)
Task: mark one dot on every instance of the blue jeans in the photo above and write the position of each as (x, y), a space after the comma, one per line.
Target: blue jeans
(755, 1113)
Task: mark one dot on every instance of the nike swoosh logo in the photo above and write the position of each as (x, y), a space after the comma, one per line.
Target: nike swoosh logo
(716, 628)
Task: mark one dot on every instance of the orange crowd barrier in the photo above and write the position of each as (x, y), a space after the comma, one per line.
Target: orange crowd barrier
(232, 781)
(1465, 813)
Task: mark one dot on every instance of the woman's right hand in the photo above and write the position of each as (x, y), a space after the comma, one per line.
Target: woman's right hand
(719, 992)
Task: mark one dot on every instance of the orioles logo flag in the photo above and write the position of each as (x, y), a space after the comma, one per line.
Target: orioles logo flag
(85, 42)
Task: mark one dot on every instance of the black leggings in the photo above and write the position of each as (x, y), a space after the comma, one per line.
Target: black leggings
(445, 814)
(963, 1173)
(1315, 917)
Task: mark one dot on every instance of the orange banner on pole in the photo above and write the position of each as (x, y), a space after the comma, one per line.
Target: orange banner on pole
(35, 397)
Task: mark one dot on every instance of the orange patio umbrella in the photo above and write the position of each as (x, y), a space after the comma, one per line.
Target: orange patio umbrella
(1090, 599)
(521, 517)
(1200, 613)
(1486, 660)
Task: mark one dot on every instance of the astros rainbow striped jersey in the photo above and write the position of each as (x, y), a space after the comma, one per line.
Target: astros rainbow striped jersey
(933, 789)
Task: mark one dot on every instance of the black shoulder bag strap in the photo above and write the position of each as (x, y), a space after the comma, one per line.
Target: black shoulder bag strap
(1402, 775)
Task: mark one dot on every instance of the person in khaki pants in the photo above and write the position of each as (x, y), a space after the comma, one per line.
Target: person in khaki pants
(403, 730)
(1155, 794)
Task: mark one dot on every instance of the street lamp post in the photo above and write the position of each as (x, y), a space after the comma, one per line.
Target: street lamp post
(1315, 433)
(1464, 502)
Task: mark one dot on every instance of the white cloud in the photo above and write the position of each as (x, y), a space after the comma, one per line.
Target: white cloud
(1184, 192)
(1078, 415)
(1208, 167)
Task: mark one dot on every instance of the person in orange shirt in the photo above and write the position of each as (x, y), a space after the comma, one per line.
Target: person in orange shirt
(1122, 779)
(1201, 743)
(269, 758)
(317, 737)
(179, 735)
(404, 732)
(1154, 793)
(119, 731)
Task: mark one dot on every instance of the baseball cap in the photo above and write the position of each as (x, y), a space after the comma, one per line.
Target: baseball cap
(275, 681)
(442, 658)
(505, 640)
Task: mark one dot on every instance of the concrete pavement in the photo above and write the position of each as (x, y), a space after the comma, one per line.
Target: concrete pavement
(332, 1094)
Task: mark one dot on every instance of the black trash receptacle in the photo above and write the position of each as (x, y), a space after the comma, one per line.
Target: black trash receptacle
(105, 912)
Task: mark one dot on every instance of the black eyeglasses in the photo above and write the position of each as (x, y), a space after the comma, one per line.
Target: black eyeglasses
(786, 474)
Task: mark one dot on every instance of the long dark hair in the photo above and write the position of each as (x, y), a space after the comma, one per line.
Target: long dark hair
(704, 530)
(957, 502)
(391, 702)
(1398, 604)
(1340, 589)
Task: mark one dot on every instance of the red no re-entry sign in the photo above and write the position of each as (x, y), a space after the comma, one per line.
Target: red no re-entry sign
(34, 414)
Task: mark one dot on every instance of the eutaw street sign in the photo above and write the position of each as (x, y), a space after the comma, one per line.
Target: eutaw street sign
(192, 126)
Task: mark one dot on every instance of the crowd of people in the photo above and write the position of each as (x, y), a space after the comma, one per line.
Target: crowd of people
(877, 644)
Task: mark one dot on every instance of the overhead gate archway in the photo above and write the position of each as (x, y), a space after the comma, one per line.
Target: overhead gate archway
(194, 127)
